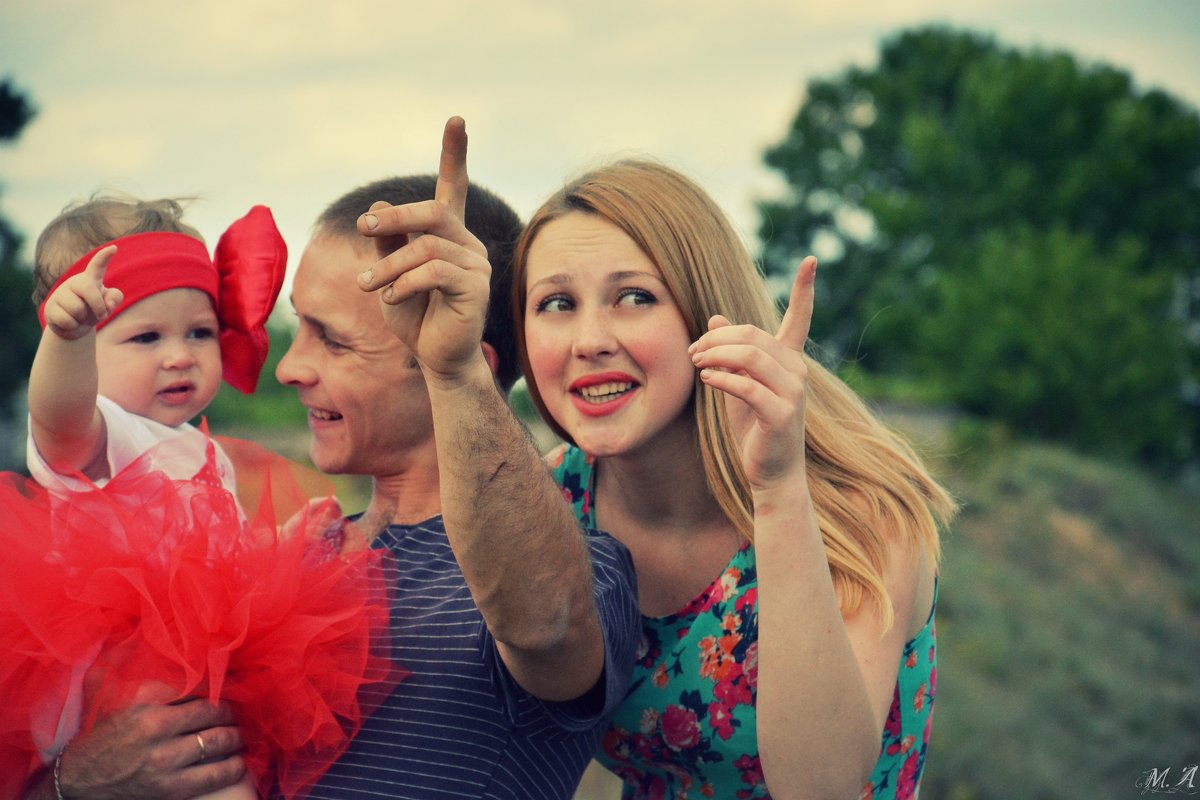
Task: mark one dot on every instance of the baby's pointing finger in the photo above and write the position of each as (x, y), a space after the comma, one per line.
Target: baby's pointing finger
(99, 264)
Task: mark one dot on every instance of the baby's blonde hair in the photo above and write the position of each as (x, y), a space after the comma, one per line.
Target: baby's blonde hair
(85, 225)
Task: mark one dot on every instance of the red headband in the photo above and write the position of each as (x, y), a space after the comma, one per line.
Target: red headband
(243, 282)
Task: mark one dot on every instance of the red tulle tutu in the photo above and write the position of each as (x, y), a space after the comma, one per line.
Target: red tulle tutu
(156, 580)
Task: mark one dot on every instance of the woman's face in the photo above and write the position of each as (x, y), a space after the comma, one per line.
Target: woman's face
(606, 343)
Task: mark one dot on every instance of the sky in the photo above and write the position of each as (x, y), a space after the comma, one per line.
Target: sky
(292, 104)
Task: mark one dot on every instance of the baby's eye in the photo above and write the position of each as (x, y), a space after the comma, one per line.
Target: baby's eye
(149, 337)
(554, 303)
(635, 297)
(202, 332)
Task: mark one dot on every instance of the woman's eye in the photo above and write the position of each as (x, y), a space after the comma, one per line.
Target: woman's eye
(635, 297)
(553, 303)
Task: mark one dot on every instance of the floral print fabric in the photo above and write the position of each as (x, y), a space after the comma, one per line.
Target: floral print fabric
(687, 727)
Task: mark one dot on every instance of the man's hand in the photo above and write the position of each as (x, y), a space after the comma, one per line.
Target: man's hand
(433, 274)
(152, 751)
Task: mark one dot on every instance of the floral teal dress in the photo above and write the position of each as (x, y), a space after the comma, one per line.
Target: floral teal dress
(687, 727)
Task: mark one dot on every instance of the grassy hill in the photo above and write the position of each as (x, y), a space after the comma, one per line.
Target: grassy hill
(1069, 629)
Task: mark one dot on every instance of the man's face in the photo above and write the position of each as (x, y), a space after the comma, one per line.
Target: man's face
(368, 409)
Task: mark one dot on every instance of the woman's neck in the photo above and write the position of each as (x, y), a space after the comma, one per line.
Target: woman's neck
(658, 505)
(661, 487)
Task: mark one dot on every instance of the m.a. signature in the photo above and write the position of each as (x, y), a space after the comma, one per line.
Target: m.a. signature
(1161, 781)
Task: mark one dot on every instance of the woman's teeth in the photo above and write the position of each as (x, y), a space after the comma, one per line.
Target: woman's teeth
(601, 392)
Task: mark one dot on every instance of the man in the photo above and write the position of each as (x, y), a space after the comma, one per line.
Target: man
(496, 611)
(517, 629)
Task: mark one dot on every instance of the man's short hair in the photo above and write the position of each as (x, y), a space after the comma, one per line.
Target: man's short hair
(489, 218)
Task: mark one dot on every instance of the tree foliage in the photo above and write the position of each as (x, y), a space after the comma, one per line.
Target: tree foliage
(19, 328)
(1021, 229)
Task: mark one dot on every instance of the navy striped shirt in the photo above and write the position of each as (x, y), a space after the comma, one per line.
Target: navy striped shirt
(459, 726)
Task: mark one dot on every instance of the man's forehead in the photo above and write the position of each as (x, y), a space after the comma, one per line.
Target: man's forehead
(331, 248)
(330, 265)
(340, 309)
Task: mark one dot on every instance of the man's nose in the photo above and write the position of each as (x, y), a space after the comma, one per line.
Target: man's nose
(293, 369)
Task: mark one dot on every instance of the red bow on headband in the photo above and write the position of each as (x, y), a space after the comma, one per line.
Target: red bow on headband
(243, 281)
(251, 259)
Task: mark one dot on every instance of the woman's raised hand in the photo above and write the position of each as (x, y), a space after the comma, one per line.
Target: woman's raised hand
(769, 375)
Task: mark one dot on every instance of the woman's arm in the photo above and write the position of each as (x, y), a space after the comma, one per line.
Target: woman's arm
(824, 682)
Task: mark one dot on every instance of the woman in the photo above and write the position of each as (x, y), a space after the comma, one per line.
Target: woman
(785, 541)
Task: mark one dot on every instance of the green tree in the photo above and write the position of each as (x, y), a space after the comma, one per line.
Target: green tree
(1057, 350)
(911, 178)
(19, 330)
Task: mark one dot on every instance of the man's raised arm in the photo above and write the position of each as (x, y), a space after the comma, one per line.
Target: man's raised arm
(516, 540)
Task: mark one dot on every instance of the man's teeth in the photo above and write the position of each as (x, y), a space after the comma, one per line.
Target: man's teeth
(600, 392)
(325, 415)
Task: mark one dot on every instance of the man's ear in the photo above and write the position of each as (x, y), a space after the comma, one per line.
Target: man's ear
(490, 355)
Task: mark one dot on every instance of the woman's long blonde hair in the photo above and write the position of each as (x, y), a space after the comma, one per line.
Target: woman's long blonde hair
(851, 455)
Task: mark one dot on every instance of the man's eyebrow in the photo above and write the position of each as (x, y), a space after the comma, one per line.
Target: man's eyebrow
(313, 322)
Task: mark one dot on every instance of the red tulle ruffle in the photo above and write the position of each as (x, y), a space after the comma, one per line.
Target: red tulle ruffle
(155, 580)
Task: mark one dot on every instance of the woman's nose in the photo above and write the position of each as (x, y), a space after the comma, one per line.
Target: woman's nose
(593, 336)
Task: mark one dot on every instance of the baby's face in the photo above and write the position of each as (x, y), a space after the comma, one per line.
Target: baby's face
(160, 357)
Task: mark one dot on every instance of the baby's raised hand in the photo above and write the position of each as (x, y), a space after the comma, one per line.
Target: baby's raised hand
(80, 302)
